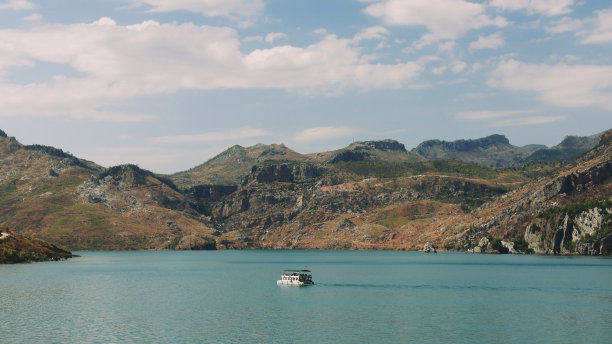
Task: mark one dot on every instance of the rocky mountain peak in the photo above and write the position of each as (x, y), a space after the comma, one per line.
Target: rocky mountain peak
(463, 145)
(272, 151)
(2, 133)
(494, 150)
(286, 172)
(579, 142)
(383, 145)
(369, 150)
(127, 175)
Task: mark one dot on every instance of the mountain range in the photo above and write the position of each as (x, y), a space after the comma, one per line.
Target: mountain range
(482, 195)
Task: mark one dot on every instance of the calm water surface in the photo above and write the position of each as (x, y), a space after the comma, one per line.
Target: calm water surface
(360, 297)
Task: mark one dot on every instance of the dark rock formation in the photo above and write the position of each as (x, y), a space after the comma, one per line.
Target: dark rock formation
(462, 145)
(494, 150)
(349, 155)
(284, 172)
(384, 145)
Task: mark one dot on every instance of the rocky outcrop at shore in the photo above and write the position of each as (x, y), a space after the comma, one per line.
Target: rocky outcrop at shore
(16, 248)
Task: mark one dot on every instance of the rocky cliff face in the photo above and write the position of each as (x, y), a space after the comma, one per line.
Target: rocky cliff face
(117, 186)
(569, 213)
(568, 233)
(300, 197)
(494, 150)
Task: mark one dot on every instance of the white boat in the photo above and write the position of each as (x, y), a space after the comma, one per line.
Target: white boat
(296, 278)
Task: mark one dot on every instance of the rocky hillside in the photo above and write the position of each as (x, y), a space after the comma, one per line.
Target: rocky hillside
(299, 205)
(372, 151)
(229, 167)
(569, 149)
(48, 194)
(369, 195)
(16, 248)
(570, 212)
(494, 151)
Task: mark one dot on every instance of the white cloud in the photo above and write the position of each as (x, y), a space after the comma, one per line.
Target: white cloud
(324, 133)
(253, 39)
(439, 70)
(271, 37)
(564, 24)
(545, 7)
(445, 19)
(327, 66)
(491, 114)
(16, 5)
(535, 120)
(374, 32)
(492, 41)
(559, 85)
(233, 9)
(508, 118)
(214, 136)
(34, 17)
(320, 31)
(457, 66)
(600, 29)
(117, 63)
(595, 30)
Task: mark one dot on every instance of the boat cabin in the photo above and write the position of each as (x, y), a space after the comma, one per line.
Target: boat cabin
(295, 277)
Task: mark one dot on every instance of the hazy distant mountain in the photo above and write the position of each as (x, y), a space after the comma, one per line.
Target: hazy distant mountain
(494, 151)
(534, 147)
(382, 150)
(570, 148)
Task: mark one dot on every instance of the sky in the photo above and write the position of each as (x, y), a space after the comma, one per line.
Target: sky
(169, 84)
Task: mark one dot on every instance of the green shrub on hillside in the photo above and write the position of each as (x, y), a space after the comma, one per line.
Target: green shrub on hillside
(56, 152)
(574, 209)
(496, 244)
(521, 245)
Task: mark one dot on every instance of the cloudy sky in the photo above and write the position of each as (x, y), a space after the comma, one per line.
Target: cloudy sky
(168, 84)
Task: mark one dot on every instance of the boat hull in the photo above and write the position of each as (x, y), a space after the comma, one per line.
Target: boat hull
(293, 283)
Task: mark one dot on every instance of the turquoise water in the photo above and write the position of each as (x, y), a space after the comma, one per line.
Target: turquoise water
(360, 297)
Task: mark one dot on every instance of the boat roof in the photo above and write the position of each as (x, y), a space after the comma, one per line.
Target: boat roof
(292, 271)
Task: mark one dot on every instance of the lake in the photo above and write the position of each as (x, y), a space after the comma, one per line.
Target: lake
(359, 297)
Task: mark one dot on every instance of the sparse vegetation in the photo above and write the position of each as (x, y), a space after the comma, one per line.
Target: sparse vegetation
(391, 198)
(496, 244)
(58, 153)
(521, 245)
(574, 209)
(16, 248)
